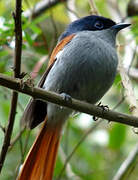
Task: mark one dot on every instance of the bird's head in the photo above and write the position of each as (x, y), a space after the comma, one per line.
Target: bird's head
(91, 23)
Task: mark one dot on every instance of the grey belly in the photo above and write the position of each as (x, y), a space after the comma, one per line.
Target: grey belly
(82, 82)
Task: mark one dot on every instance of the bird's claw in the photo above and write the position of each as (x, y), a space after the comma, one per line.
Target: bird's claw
(66, 97)
(104, 108)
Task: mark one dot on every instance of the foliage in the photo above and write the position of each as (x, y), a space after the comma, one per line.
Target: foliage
(103, 151)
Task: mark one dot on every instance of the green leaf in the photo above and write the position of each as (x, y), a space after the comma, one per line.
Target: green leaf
(35, 28)
(117, 136)
(28, 38)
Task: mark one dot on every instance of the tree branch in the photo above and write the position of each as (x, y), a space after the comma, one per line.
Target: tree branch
(133, 73)
(9, 128)
(38, 93)
(42, 6)
(17, 64)
(129, 92)
(127, 165)
(18, 38)
(93, 7)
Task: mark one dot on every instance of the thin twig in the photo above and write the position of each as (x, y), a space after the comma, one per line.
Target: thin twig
(37, 67)
(42, 6)
(114, 8)
(9, 128)
(70, 174)
(2, 128)
(18, 136)
(93, 7)
(77, 105)
(26, 144)
(119, 103)
(23, 151)
(77, 145)
(129, 92)
(55, 33)
(66, 142)
(133, 73)
(23, 148)
(128, 164)
(7, 95)
(71, 9)
(133, 57)
(17, 64)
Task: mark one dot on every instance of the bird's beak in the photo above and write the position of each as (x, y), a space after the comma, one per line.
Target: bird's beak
(120, 26)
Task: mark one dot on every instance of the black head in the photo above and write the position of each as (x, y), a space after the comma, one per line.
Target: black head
(89, 23)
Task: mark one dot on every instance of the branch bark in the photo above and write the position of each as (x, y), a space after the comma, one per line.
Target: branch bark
(38, 93)
(42, 6)
(17, 65)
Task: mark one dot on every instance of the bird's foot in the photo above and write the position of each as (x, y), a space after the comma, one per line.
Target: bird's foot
(66, 97)
(103, 107)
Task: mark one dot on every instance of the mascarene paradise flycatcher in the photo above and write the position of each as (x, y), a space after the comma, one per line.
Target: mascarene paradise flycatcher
(83, 65)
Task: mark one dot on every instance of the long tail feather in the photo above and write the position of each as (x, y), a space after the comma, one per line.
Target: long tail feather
(39, 164)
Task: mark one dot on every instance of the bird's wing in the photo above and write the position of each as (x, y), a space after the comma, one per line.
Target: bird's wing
(36, 110)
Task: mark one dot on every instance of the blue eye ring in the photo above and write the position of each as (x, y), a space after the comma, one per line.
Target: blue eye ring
(99, 25)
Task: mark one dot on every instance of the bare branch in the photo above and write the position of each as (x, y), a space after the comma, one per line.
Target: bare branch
(133, 57)
(2, 128)
(133, 73)
(37, 67)
(18, 38)
(42, 6)
(70, 174)
(38, 93)
(128, 164)
(8, 132)
(130, 96)
(71, 8)
(17, 64)
(114, 9)
(18, 136)
(94, 10)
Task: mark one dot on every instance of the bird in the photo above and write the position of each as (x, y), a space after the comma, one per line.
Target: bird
(83, 65)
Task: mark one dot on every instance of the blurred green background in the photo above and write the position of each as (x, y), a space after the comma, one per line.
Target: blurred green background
(105, 148)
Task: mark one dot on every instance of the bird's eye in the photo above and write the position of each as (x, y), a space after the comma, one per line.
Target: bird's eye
(98, 25)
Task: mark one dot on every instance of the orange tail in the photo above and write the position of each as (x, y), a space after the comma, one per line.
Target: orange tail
(39, 164)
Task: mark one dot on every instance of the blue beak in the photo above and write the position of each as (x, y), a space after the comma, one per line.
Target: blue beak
(120, 26)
